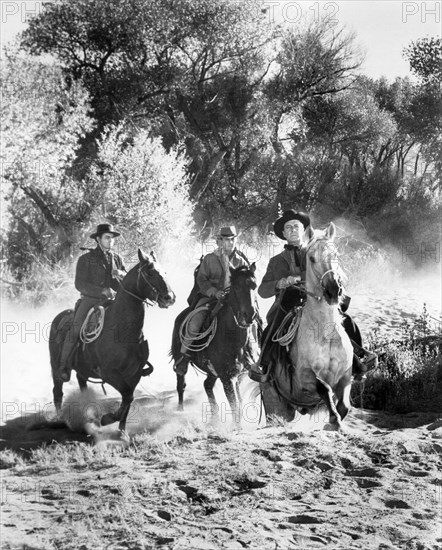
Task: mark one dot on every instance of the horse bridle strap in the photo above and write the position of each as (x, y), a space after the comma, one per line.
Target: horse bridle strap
(144, 300)
(228, 290)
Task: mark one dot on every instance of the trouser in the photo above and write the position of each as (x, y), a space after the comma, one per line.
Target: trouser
(73, 334)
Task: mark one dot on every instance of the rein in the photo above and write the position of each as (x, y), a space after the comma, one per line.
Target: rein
(319, 278)
(146, 301)
(229, 289)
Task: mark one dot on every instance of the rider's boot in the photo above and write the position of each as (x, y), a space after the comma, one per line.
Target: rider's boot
(363, 361)
(65, 372)
(182, 363)
(66, 355)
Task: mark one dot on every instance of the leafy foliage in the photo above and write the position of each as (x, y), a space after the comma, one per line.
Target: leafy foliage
(141, 186)
(425, 58)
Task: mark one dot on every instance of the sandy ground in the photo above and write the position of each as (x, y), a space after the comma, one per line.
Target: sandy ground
(185, 483)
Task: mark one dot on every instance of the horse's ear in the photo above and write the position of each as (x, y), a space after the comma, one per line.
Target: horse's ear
(152, 253)
(309, 233)
(331, 231)
(253, 267)
(142, 256)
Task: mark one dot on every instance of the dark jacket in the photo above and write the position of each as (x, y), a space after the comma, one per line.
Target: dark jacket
(94, 273)
(280, 266)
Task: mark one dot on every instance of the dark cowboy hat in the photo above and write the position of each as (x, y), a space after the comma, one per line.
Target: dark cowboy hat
(229, 232)
(104, 228)
(288, 215)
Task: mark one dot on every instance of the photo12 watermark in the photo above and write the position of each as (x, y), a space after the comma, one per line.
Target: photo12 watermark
(425, 12)
(288, 11)
(20, 11)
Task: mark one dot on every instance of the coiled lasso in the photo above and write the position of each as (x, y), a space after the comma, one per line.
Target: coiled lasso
(88, 337)
(283, 336)
(187, 337)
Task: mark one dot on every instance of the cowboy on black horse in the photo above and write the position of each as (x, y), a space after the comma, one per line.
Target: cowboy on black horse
(284, 272)
(98, 276)
(212, 279)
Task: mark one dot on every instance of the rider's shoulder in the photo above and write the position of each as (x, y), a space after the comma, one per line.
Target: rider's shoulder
(87, 253)
(277, 257)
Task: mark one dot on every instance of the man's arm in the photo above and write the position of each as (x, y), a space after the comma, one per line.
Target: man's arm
(203, 279)
(83, 278)
(267, 288)
(118, 271)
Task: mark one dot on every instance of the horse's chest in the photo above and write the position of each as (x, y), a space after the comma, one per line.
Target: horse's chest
(321, 348)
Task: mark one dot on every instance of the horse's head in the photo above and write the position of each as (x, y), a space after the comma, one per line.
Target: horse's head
(242, 294)
(323, 273)
(148, 281)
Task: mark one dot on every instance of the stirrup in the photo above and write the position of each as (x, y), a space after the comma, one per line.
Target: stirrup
(370, 360)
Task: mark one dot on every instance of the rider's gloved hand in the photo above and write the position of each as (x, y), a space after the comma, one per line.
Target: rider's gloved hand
(108, 293)
(288, 281)
(118, 274)
(282, 283)
(219, 294)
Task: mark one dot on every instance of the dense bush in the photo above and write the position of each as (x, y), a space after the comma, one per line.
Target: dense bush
(409, 375)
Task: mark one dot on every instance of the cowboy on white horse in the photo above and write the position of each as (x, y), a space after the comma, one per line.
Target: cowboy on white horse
(284, 273)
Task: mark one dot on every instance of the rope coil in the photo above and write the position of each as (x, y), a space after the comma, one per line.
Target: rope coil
(188, 337)
(284, 336)
(88, 337)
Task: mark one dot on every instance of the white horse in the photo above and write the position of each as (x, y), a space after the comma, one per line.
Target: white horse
(321, 351)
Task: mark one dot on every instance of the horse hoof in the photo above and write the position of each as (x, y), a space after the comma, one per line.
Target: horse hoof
(180, 407)
(335, 427)
(107, 419)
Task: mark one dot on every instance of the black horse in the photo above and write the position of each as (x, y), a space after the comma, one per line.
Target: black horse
(229, 350)
(120, 353)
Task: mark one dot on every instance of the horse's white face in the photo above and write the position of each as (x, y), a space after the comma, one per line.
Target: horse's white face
(322, 264)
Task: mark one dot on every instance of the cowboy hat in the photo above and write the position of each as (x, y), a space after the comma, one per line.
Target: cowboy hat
(104, 228)
(288, 215)
(229, 232)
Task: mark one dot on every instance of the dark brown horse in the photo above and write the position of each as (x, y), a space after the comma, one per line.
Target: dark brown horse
(120, 353)
(227, 352)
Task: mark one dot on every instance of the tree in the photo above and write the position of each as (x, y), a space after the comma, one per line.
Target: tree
(425, 58)
(43, 120)
(141, 187)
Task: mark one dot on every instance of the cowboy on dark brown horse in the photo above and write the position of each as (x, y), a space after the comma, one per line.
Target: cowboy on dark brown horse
(284, 272)
(98, 276)
(212, 280)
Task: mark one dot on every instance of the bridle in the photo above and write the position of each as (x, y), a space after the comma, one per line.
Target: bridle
(233, 290)
(148, 301)
(319, 277)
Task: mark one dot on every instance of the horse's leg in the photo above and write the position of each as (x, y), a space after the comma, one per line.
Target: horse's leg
(127, 396)
(82, 382)
(326, 393)
(209, 382)
(180, 387)
(123, 411)
(232, 394)
(342, 392)
(57, 392)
